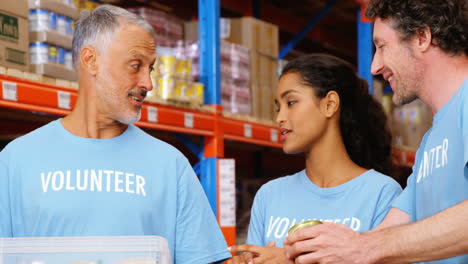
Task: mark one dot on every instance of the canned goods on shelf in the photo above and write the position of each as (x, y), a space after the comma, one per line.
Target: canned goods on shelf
(38, 20)
(184, 69)
(61, 56)
(52, 21)
(62, 25)
(181, 90)
(38, 53)
(167, 66)
(195, 93)
(68, 60)
(52, 54)
(69, 26)
(165, 88)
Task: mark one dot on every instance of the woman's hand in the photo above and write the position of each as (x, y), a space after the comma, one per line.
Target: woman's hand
(258, 255)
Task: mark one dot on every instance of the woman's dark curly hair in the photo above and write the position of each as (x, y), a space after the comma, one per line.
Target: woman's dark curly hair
(447, 20)
(363, 123)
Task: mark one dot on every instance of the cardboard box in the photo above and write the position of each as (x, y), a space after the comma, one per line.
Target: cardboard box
(15, 7)
(263, 69)
(52, 37)
(266, 103)
(54, 70)
(14, 39)
(255, 34)
(249, 32)
(191, 29)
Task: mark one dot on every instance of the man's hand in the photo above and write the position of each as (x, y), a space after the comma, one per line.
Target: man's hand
(258, 255)
(327, 243)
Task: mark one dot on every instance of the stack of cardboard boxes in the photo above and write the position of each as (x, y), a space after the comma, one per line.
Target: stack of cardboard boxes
(262, 39)
(14, 38)
(168, 28)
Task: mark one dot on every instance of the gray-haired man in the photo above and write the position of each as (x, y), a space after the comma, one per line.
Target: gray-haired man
(93, 173)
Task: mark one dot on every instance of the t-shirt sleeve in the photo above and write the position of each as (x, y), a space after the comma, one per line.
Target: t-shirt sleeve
(405, 200)
(198, 236)
(388, 194)
(464, 124)
(5, 211)
(257, 220)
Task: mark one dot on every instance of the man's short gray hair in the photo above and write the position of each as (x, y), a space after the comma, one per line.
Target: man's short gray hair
(96, 28)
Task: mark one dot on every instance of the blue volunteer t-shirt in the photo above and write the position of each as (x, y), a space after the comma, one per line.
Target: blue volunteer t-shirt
(53, 183)
(440, 173)
(361, 203)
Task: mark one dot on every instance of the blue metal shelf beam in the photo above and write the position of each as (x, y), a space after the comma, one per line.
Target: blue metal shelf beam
(312, 23)
(210, 76)
(365, 51)
(210, 70)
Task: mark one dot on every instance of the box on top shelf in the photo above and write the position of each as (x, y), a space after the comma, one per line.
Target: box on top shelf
(90, 250)
(14, 39)
(15, 7)
(255, 34)
(191, 29)
(168, 28)
(249, 32)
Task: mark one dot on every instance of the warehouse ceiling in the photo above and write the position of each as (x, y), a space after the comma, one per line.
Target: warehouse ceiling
(336, 33)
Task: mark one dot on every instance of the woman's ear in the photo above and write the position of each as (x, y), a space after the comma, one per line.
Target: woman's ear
(330, 104)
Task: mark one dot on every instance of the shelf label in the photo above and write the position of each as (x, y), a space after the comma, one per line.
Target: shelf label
(188, 120)
(64, 100)
(227, 192)
(274, 135)
(247, 130)
(152, 114)
(9, 91)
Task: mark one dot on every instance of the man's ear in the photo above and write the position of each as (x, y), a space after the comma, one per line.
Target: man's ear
(330, 104)
(423, 39)
(88, 59)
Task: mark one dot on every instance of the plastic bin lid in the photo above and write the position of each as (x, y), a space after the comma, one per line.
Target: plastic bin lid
(153, 246)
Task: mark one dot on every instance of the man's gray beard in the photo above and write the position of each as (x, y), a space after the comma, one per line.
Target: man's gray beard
(131, 121)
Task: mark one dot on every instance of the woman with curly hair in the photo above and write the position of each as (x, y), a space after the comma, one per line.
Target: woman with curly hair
(326, 113)
(421, 49)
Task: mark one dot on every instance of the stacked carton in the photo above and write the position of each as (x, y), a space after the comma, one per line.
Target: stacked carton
(14, 38)
(261, 38)
(168, 29)
(235, 75)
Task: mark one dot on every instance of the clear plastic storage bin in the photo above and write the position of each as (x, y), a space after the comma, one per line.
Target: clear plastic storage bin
(85, 250)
